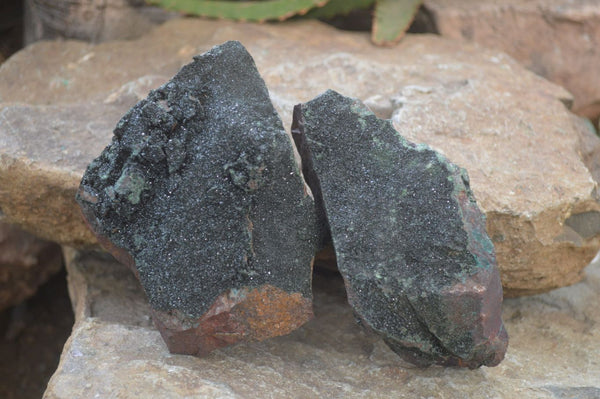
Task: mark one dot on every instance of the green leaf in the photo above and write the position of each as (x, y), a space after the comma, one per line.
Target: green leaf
(391, 20)
(337, 7)
(242, 10)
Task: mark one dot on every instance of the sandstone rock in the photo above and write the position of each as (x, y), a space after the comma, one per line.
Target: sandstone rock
(199, 193)
(115, 352)
(527, 211)
(487, 114)
(566, 55)
(409, 238)
(26, 262)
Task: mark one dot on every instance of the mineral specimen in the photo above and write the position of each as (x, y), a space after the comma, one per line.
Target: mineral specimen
(200, 195)
(410, 240)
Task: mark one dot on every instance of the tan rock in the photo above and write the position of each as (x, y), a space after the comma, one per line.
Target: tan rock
(42, 160)
(26, 262)
(557, 39)
(520, 146)
(506, 126)
(114, 351)
(589, 146)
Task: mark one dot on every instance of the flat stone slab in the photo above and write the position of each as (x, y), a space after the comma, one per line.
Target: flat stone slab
(478, 107)
(115, 351)
(200, 194)
(410, 240)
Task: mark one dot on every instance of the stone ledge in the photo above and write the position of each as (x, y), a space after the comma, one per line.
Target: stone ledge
(115, 352)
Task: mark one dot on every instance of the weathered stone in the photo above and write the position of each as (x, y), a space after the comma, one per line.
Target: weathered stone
(200, 195)
(410, 240)
(566, 55)
(479, 107)
(532, 188)
(26, 262)
(115, 351)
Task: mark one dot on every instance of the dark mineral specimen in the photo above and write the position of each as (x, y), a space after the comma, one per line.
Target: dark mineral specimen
(200, 195)
(410, 240)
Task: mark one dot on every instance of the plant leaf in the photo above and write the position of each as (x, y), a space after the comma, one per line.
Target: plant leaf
(337, 7)
(242, 10)
(391, 20)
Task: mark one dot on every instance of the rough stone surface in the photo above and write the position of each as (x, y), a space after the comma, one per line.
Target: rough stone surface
(114, 350)
(505, 125)
(589, 146)
(199, 193)
(528, 211)
(26, 262)
(410, 240)
(566, 55)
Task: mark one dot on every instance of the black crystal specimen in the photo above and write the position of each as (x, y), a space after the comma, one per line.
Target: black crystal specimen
(410, 240)
(200, 194)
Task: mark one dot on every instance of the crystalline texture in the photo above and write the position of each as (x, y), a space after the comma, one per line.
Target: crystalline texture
(409, 238)
(200, 195)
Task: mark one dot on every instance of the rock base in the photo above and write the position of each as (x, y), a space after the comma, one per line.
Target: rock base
(114, 351)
